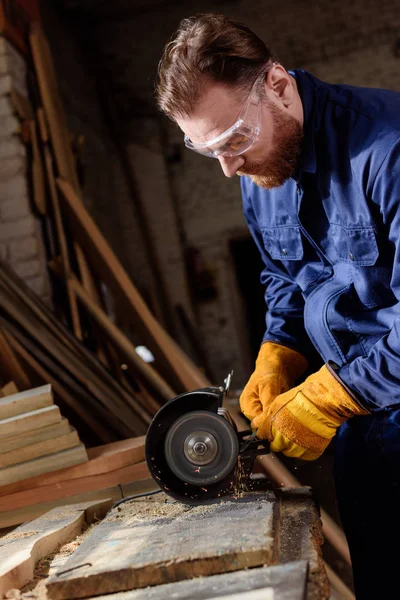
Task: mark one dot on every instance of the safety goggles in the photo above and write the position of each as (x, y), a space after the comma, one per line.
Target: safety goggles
(238, 138)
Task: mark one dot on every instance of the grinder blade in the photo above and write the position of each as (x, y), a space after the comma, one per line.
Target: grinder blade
(201, 448)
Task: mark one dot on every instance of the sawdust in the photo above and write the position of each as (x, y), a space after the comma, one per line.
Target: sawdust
(131, 512)
(16, 535)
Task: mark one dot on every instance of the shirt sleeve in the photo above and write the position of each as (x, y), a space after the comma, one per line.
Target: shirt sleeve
(283, 297)
(375, 378)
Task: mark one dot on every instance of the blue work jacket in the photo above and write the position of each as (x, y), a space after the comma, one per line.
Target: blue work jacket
(330, 238)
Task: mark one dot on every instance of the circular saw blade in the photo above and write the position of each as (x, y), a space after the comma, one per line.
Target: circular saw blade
(201, 448)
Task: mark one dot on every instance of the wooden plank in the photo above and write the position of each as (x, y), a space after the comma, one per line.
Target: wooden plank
(42, 122)
(104, 460)
(38, 187)
(122, 403)
(70, 487)
(288, 582)
(42, 448)
(76, 325)
(10, 365)
(80, 409)
(35, 436)
(148, 373)
(116, 492)
(166, 543)
(105, 262)
(28, 401)
(9, 389)
(28, 421)
(21, 549)
(52, 104)
(44, 464)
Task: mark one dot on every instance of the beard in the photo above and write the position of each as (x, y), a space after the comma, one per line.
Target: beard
(281, 164)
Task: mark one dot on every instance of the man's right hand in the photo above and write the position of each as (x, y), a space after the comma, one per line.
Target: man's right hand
(277, 370)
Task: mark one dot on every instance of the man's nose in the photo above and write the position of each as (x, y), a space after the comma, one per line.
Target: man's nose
(231, 164)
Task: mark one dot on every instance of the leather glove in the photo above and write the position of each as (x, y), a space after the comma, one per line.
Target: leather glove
(277, 370)
(301, 422)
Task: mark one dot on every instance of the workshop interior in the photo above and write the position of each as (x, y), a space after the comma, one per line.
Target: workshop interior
(136, 292)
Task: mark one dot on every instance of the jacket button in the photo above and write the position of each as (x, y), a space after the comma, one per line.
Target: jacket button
(284, 251)
(351, 256)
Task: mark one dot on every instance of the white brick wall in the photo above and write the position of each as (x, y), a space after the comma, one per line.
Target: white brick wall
(21, 243)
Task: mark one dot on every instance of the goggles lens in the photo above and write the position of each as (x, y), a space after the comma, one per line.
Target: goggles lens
(233, 142)
(238, 138)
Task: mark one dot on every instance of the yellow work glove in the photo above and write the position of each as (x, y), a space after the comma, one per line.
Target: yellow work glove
(277, 370)
(301, 422)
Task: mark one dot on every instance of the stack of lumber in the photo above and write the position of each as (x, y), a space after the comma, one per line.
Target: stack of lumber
(86, 348)
(34, 438)
(109, 469)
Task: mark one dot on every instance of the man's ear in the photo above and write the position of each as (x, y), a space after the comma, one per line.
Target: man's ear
(279, 86)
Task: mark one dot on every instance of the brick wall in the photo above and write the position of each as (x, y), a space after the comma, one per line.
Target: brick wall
(21, 240)
(187, 198)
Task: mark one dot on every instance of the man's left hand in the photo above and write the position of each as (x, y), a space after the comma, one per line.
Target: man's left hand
(302, 421)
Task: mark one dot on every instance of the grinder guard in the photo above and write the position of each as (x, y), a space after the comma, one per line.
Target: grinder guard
(177, 424)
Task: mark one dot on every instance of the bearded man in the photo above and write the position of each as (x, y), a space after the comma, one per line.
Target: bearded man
(320, 180)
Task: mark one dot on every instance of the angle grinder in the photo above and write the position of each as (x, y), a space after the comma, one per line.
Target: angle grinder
(195, 452)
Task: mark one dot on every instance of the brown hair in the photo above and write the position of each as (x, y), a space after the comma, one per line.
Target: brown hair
(207, 48)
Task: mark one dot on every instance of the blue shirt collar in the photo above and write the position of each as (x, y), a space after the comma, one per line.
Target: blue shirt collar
(307, 86)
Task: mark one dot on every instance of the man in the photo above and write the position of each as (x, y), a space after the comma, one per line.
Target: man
(319, 167)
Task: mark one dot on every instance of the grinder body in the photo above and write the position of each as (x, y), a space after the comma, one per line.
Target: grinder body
(194, 451)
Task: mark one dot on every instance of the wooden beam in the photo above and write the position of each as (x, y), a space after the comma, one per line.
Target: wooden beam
(76, 325)
(180, 367)
(145, 370)
(52, 104)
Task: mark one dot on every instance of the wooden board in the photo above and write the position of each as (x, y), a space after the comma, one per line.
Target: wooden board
(79, 485)
(52, 104)
(10, 366)
(287, 582)
(34, 436)
(44, 464)
(9, 388)
(117, 492)
(28, 421)
(180, 367)
(69, 398)
(153, 543)
(39, 190)
(102, 459)
(148, 373)
(22, 548)
(42, 448)
(24, 402)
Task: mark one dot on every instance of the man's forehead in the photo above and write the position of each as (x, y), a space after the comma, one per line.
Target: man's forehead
(216, 111)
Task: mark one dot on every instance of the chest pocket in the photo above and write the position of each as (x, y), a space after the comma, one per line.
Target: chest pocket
(356, 246)
(283, 243)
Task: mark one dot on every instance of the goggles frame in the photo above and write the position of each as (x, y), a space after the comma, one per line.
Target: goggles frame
(250, 111)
